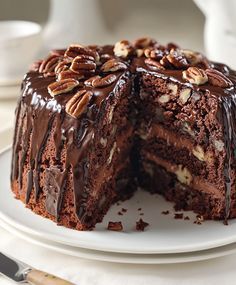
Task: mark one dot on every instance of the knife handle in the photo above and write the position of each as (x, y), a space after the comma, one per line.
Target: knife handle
(37, 277)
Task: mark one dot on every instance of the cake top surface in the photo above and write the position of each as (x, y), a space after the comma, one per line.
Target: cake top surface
(87, 74)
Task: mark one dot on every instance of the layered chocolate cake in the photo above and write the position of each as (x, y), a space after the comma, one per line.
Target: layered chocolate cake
(94, 123)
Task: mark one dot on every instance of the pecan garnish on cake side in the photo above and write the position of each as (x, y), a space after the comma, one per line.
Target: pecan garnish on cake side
(78, 103)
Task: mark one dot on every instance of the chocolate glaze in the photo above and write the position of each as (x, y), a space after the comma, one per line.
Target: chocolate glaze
(37, 112)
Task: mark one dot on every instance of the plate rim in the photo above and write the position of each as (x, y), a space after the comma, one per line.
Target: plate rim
(123, 258)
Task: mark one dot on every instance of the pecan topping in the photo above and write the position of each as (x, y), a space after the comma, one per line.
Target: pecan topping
(192, 57)
(78, 103)
(217, 78)
(123, 49)
(174, 59)
(171, 46)
(144, 42)
(195, 75)
(75, 50)
(48, 65)
(83, 64)
(59, 52)
(36, 65)
(113, 65)
(67, 74)
(154, 53)
(153, 64)
(98, 81)
(115, 226)
(63, 65)
(62, 86)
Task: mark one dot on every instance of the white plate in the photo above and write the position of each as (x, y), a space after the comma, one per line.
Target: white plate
(164, 235)
(123, 257)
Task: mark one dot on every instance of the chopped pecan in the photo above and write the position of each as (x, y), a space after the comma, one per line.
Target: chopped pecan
(75, 50)
(123, 49)
(115, 226)
(217, 78)
(98, 81)
(144, 42)
(48, 65)
(83, 64)
(78, 103)
(62, 86)
(153, 64)
(195, 75)
(67, 74)
(113, 65)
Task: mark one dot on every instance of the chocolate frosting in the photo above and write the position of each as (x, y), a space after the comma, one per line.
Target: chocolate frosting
(37, 112)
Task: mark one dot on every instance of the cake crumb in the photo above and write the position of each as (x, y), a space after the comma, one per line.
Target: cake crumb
(124, 210)
(199, 220)
(165, 212)
(115, 226)
(139, 209)
(178, 216)
(141, 214)
(141, 225)
(120, 213)
(186, 218)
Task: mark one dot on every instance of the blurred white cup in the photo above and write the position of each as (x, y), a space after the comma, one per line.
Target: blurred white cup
(20, 42)
(220, 29)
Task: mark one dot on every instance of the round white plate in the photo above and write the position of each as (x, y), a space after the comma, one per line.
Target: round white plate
(164, 235)
(123, 257)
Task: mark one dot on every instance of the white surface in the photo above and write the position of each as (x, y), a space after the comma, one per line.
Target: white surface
(20, 42)
(164, 235)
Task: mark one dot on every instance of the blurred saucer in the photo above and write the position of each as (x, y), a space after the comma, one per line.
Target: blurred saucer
(10, 91)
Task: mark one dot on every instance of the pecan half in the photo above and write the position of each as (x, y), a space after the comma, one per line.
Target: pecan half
(75, 50)
(195, 75)
(217, 78)
(154, 53)
(78, 103)
(144, 42)
(104, 81)
(62, 86)
(63, 65)
(83, 64)
(113, 65)
(153, 64)
(123, 49)
(59, 52)
(48, 65)
(67, 74)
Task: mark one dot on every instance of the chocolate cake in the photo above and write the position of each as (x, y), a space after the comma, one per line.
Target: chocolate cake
(94, 123)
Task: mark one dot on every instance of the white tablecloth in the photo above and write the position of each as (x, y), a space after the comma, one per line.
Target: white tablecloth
(85, 272)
